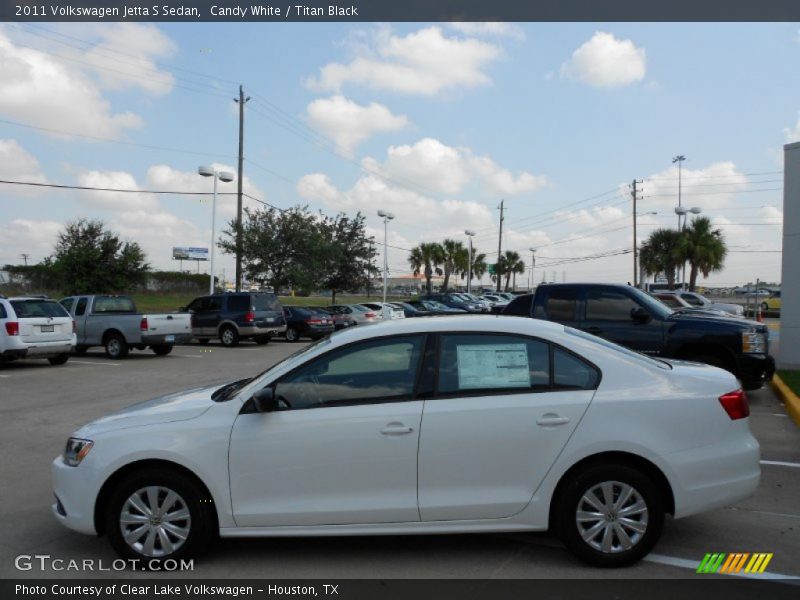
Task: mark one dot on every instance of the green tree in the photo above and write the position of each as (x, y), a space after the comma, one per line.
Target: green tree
(347, 254)
(704, 248)
(426, 259)
(661, 253)
(455, 260)
(90, 259)
(509, 264)
(479, 266)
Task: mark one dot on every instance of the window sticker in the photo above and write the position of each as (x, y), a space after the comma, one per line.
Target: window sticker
(493, 366)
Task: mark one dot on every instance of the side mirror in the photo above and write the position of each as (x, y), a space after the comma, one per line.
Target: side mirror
(265, 401)
(640, 315)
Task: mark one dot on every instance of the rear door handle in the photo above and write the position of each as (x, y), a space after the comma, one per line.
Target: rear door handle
(551, 420)
(396, 429)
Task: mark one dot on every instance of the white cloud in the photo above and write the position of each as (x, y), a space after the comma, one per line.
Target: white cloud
(37, 88)
(605, 61)
(349, 124)
(792, 134)
(35, 237)
(431, 165)
(712, 187)
(115, 201)
(489, 29)
(18, 164)
(425, 62)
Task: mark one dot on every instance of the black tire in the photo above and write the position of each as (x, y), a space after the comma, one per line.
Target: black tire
(263, 339)
(116, 346)
(292, 335)
(229, 336)
(203, 341)
(570, 500)
(162, 349)
(201, 522)
(59, 360)
(80, 350)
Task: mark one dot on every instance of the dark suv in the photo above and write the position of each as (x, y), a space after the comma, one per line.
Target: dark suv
(235, 316)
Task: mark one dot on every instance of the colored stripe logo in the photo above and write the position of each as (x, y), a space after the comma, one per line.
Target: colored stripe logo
(735, 562)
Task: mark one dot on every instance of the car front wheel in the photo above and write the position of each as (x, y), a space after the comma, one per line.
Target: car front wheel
(116, 346)
(59, 360)
(610, 515)
(292, 335)
(229, 337)
(159, 514)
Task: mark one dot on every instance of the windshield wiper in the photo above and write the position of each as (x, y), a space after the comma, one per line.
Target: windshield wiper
(228, 390)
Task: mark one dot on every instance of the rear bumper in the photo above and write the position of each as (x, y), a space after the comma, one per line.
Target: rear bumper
(259, 329)
(166, 338)
(21, 349)
(756, 369)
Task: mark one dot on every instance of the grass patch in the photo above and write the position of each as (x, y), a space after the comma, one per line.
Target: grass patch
(155, 303)
(791, 379)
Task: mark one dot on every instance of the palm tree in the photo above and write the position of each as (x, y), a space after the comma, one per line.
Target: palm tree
(479, 266)
(509, 264)
(703, 247)
(660, 253)
(455, 260)
(426, 259)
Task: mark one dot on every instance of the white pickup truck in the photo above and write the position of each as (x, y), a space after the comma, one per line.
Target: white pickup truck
(114, 323)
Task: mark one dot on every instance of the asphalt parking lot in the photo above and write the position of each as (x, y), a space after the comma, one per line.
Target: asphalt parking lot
(41, 405)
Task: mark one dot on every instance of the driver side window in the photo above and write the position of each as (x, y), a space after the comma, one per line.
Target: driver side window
(377, 371)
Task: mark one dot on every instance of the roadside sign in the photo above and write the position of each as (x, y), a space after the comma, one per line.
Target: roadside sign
(183, 253)
(492, 269)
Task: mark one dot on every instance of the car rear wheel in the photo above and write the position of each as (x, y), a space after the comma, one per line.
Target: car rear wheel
(162, 349)
(609, 515)
(292, 335)
(59, 360)
(263, 339)
(116, 346)
(229, 336)
(159, 514)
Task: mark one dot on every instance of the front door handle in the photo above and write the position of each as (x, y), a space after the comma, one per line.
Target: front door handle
(396, 429)
(552, 420)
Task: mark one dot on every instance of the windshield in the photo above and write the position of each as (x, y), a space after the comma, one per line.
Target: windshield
(653, 362)
(312, 346)
(656, 307)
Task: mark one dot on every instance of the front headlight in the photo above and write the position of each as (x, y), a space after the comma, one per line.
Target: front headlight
(754, 343)
(76, 451)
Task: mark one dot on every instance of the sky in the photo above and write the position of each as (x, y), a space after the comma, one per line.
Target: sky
(434, 122)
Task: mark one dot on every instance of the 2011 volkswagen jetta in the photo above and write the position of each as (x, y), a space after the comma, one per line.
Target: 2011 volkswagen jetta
(463, 424)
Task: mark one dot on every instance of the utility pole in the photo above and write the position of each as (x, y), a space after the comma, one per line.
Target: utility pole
(499, 245)
(635, 197)
(25, 256)
(241, 100)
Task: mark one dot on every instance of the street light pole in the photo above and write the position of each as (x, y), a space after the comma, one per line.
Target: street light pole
(218, 176)
(679, 159)
(533, 265)
(469, 234)
(386, 216)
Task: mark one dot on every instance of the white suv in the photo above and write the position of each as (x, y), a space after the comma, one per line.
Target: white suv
(35, 327)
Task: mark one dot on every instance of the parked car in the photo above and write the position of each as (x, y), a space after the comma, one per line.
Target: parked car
(701, 301)
(454, 300)
(361, 314)
(772, 304)
(435, 308)
(34, 327)
(411, 311)
(457, 425)
(306, 322)
(387, 311)
(113, 322)
(235, 316)
(484, 303)
(341, 320)
(678, 304)
(632, 318)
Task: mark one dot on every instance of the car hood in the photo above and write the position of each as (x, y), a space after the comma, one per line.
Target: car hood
(180, 406)
(731, 322)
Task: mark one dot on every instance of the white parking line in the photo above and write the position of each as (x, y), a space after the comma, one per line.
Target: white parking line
(188, 356)
(100, 364)
(779, 463)
(674, 561)
(5, 376)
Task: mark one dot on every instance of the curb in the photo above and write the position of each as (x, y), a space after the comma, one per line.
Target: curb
(790, 399)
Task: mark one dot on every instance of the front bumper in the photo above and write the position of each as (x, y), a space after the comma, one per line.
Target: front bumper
(76, 490)
(756, 369)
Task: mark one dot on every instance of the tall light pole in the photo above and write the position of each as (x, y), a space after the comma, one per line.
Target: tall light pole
(221, 176)
(533, 265)
(469, 233)
(679, 159)
(386, 216)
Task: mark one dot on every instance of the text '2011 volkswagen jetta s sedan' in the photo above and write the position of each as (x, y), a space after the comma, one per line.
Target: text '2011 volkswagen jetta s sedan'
(464, 424)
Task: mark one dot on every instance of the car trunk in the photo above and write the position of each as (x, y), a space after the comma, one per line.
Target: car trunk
(42, 321)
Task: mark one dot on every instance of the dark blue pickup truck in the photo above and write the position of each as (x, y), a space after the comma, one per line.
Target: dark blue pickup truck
(632, 318)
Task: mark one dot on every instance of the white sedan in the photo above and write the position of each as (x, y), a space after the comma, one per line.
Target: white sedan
(465, 424)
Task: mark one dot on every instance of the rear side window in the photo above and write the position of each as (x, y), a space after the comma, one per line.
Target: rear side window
(561, 305)
(3, 314)
(520, 306)
(266, 302)
(239, 303)
(31, 309)
(80, 309)
(113, 304)
(471, 363)
(570, 372)
(609, 305)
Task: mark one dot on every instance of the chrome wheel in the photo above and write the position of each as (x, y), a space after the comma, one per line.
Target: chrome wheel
(291, 335)
(114, 346)
(612, 517)
(228, 337)
(155, 521)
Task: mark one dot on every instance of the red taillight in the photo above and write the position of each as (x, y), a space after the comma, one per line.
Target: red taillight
(735, 404)
(12, 328)
(370, 315)
(143, 324)
(249, 316)
(314, 321)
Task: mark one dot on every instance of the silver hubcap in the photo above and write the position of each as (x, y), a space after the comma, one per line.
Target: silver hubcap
(227, 336)
(155, 521)
(612, 517)
(290, 335)
(113, 346)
